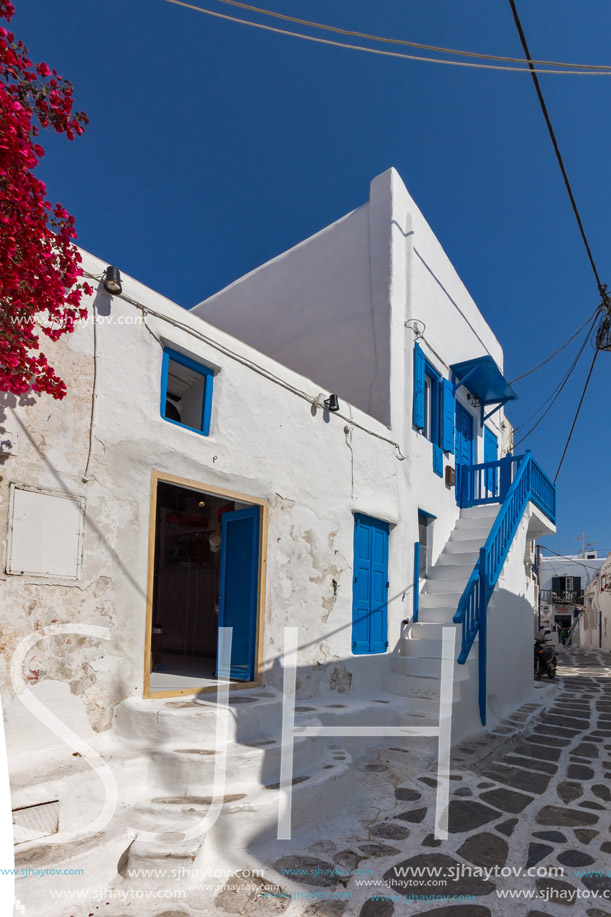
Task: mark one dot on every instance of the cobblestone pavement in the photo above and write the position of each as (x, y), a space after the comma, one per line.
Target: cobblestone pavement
(532, 794)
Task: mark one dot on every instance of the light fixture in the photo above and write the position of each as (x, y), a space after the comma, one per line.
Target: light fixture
(332, 404)
(201, 503)
(112, 280)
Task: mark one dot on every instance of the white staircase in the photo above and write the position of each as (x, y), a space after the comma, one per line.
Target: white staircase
(416, 670)
(163, 756)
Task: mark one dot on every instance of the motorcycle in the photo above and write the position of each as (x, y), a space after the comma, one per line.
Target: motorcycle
(545, 658)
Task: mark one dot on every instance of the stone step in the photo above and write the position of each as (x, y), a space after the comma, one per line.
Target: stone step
(471, 526)
(463, 545)
(321, 795)
(425, 638)
(253, 714)
(191, 771)
(92, 859)
(489, 512)
(419, 686)
(425, 666)
(451, 569)
(438, 609)
(458, 559)
(438, 586)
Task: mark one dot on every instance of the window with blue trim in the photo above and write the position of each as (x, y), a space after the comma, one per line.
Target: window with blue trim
(433, 408)
(432, 398)
(186, 391)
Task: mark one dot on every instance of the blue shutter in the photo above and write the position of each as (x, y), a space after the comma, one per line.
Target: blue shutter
(447, 419)
(416, 598)
(379, 589)
(437, 460)
(419, 406)
(491, 454)
(239, 581)
(370, 588)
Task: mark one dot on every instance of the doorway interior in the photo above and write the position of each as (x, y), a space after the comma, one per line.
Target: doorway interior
(205, 575)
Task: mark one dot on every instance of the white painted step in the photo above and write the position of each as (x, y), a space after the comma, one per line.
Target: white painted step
(437, 614)
(463, 545)
(425, 666)
(327, 789)
(458, 559)
(191, 721)
(413, 685)
(485, 511)
(455, 584)
(188, 771)
(451, 570)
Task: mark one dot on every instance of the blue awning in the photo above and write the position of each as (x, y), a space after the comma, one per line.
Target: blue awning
(484, 379)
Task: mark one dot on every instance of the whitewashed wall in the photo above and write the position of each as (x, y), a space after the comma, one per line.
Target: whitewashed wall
(334, 308)
(595, 621)
(360, 280)
(265, 441)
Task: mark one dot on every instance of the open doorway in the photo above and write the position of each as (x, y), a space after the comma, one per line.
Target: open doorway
(205, 559)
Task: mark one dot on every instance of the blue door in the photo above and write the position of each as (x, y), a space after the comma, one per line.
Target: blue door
(239, 582)
(370, 588)
(491, 454)
(464, 444)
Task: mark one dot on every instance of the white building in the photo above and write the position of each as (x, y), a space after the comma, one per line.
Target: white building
(562, 581)
(594, 624)
(192, 478)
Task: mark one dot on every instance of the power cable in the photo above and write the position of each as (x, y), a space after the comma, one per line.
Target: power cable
(603, 336)
(556, 352)
(568, 557)
(557, 391)
(601, 289)
(255, 367)
(409, 44)
(583, 395)
(379, 51)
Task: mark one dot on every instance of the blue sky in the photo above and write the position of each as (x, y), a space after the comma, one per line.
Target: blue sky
(213, 147)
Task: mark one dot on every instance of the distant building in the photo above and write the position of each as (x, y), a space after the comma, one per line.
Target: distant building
(562, 584)
(594, 627)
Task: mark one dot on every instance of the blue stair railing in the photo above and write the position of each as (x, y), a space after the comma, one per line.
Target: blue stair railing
(514, 481)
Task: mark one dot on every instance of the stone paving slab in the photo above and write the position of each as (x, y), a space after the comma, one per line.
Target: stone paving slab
(543, 766)
(532, 793)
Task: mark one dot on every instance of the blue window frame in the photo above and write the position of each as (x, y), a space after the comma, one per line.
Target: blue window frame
(186, 391)
(434, 406)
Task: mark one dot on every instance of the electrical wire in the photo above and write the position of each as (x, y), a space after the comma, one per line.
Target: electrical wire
(267, 374)
(568, 557)
(556, 393)
(556, 352)
(601, 289)
(409, 44)
(603, 332)
(379, 51)
(94, 395)
(583, 395)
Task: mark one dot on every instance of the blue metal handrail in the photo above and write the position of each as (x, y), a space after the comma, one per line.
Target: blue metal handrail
(489, 482)
(516, 481)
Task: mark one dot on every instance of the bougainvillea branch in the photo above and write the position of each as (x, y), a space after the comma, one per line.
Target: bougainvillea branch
(40, 286)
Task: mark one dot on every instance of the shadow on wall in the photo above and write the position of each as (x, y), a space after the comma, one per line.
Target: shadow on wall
(511, 625)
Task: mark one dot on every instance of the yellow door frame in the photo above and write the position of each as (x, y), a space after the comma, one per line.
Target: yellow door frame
(161, 477)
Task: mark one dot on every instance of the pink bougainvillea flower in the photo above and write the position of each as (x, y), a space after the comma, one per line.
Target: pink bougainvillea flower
(40, 273)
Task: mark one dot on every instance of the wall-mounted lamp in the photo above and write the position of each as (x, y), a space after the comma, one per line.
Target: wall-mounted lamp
(417, 326)
(330, 404)
(112, 280)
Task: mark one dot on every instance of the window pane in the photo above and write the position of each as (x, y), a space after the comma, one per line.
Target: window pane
(427, 407)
